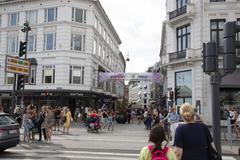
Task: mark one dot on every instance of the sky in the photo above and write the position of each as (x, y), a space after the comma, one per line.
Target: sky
(139, 26)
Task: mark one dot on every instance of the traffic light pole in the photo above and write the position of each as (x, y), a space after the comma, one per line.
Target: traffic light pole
(25, 29)
(216, 127)
(13, 100)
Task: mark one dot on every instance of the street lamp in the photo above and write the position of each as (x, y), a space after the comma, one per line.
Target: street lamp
(127, 59)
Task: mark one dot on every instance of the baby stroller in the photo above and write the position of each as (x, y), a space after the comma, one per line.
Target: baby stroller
(93, 125)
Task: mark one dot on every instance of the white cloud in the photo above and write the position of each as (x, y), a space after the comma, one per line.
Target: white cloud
(138, 24)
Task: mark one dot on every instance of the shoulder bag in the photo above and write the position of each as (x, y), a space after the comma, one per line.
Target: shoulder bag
(212, 153)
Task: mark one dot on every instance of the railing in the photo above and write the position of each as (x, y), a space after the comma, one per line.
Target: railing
(177, 55)
(178, 12)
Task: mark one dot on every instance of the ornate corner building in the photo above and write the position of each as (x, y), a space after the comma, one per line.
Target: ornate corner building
(72, 41)
(188, 24)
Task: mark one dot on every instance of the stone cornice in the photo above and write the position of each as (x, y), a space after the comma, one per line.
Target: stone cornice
(222, 6)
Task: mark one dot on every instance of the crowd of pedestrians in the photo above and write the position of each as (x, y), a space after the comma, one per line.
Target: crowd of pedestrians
(42, 122)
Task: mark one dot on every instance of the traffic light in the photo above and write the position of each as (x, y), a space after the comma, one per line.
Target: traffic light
(20, 82)
(177, 93)
(230, 44)
(22, 48)
(171, 95)
(210, 58)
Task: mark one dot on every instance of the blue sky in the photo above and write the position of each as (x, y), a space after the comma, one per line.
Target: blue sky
(138, 24)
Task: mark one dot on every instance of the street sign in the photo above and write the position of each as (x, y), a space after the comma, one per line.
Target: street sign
(17, 65)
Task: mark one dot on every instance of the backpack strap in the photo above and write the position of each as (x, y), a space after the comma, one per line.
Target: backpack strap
(150, 147)
(165, 150)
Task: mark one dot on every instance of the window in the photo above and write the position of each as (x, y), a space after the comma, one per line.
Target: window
(183, 38)
(32, 78)
(0, 20)
(50, 41)
(31, 16)
(76, 75)
(31, 46)
(48, 74)
(181, 3)
(145, 86)
(100, 27)
(12, 44)
(13, 19)
(99, 50)
(238, 34)
(50, 14)
(79, 15)
(217, 0)
(104, 53)
(216, 27)
(95, 46)
(96, 22)
(9, 78)
(183, 81)
(78, 42)
(144, 101)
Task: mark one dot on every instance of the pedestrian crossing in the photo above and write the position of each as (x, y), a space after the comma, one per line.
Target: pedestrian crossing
(51, 154)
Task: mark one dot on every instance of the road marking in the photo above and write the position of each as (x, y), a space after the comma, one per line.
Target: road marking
(73, 152)
(228, 158)
(98, 139)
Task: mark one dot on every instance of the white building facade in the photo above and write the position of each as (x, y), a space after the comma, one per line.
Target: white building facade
(188, 25)
(139, 94)
(72, 41)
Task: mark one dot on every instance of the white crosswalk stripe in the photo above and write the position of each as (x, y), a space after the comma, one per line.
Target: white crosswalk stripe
(23, 154)
(57, 154)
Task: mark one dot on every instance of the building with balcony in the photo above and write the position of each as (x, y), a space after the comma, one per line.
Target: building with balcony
(139, 94)
(72, 41)
(156, 89)
(188, 24)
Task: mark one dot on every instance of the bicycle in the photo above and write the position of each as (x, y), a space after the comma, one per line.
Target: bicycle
(167, 129)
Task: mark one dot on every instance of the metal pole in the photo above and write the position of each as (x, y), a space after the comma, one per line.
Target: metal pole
(26, 29)
(13, 100)
(215, 81)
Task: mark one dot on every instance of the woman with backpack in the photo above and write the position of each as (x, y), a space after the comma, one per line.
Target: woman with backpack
(157, 151)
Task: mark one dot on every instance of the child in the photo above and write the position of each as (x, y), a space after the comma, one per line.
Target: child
(157, 136)
(110, 120)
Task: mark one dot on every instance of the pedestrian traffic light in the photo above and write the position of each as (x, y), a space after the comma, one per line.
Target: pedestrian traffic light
(177, 93)
(230, 44)
(22, 48)
(171, 95)
(210, 58)
(20, 82)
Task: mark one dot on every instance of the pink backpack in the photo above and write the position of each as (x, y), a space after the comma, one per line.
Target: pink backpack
(159, 154)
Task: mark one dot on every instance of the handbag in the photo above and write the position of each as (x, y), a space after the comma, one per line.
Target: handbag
(212, 153)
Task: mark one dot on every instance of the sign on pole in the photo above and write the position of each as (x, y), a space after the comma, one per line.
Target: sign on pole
(17, 65)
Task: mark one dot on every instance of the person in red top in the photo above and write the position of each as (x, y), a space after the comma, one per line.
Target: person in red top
(93, 114)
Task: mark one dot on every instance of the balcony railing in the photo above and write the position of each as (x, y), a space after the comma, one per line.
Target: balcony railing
(177, 55)
(178, 12)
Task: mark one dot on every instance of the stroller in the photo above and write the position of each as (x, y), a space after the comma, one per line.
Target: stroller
(93, 125)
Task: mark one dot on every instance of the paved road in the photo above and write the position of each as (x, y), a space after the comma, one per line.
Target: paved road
(124, 143)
